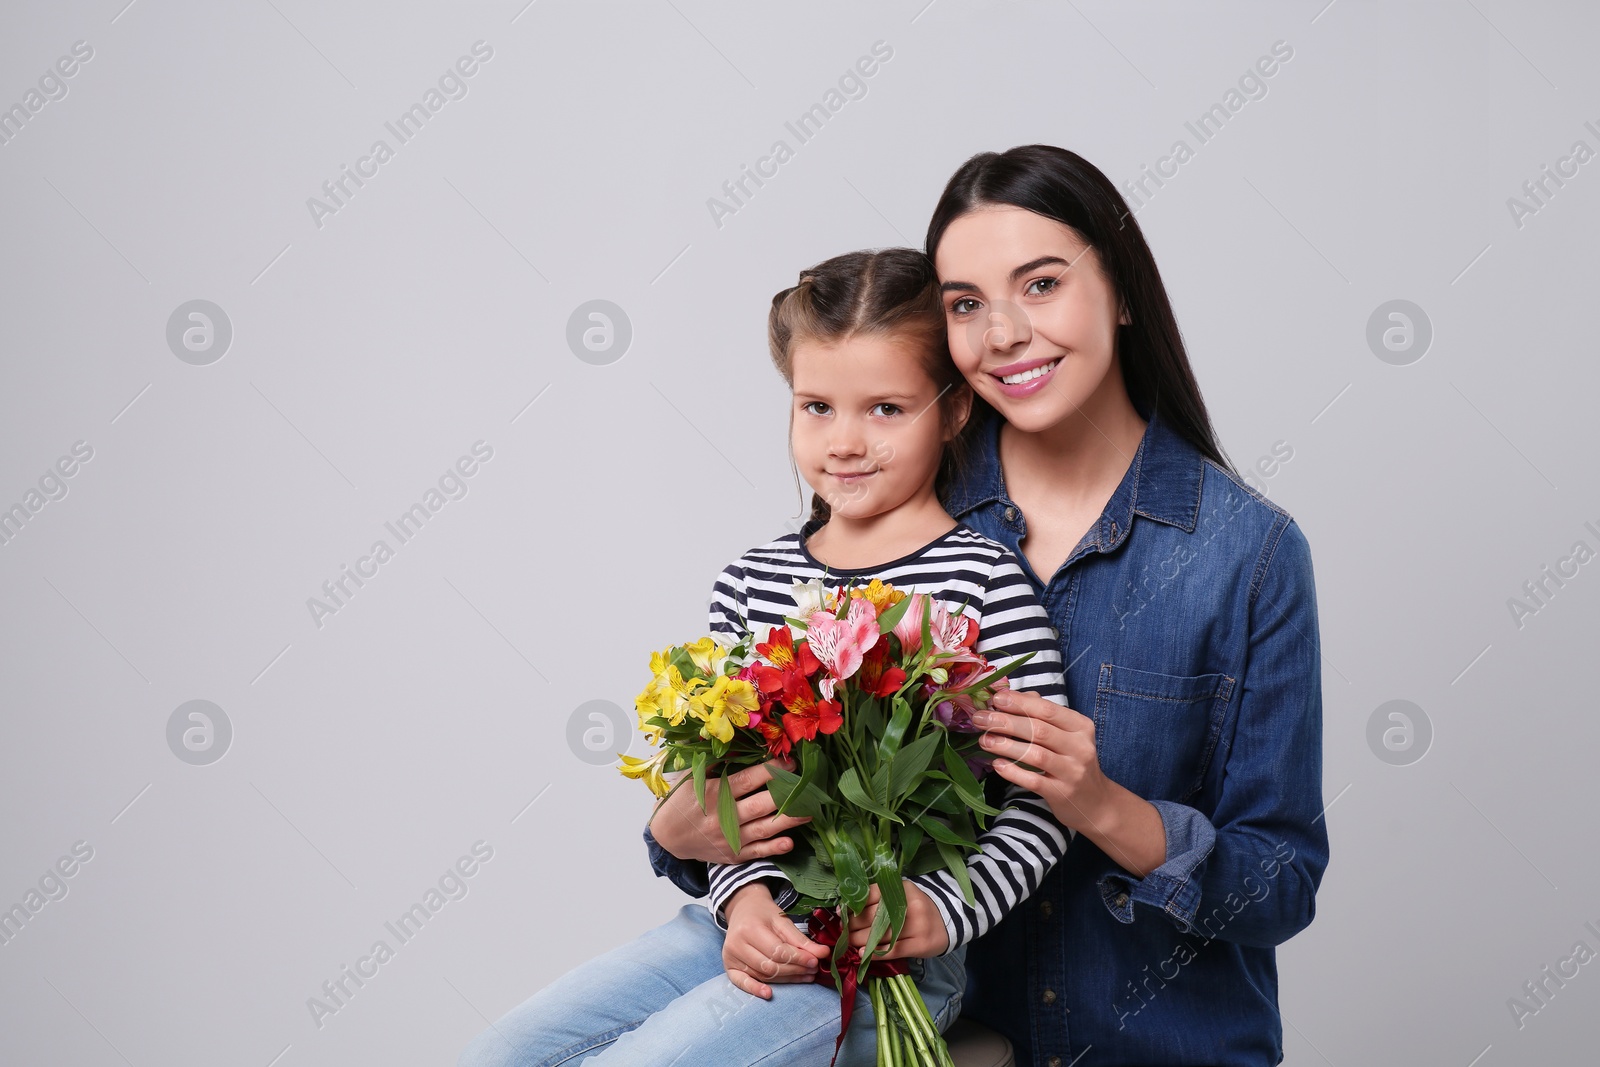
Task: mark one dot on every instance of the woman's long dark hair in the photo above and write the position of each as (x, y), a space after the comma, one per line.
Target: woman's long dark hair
(1063, 186)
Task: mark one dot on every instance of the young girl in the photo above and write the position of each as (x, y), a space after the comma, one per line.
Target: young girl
(877, 404)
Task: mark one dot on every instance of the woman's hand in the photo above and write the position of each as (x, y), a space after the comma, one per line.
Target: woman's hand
(1025, 728)
(764, 945)
(923, 934)
(680, 827)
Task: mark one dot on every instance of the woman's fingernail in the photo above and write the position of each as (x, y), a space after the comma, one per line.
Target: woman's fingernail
(980, 718)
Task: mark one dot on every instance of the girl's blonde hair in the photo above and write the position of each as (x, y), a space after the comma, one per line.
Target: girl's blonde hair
(887, 292)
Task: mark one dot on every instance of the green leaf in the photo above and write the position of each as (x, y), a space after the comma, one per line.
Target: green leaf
(942, 833)
(936, 796)
(961, 777)
(887, 620)
(957, 864)
(880, 785)
(910, 839)
(891, 885)
(809, 803)
(894, 734)
(807, 873)
(728, 812)
(995, 676)
(700, 777)
(851, 869)
(850, 788)
(908, 765)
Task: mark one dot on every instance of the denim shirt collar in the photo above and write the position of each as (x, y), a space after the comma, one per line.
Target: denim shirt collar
(1162, 483)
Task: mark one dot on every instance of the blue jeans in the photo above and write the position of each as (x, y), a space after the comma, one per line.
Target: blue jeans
(664, 998)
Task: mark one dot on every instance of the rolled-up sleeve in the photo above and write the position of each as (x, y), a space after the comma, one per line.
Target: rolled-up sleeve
(690, 876)
(1249, 872)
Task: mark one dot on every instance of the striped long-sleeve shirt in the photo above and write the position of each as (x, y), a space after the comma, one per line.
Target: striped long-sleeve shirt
(961, 568)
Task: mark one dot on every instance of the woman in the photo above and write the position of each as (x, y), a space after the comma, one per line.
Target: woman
(1189, 758)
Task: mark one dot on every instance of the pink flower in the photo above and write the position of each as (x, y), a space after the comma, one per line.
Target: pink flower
(840, 644)
(951, 631)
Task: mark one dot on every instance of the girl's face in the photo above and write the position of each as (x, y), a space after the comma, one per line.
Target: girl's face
(868, 426)
(1032, 317)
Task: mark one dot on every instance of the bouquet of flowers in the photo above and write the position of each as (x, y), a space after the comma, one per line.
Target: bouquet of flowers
(869, 690)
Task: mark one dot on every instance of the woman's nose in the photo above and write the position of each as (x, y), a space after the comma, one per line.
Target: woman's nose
(1007, 327)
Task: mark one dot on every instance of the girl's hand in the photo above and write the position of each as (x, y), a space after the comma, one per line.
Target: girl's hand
(680, 827)
(922, 935)
(764, 945)
(1025, 728)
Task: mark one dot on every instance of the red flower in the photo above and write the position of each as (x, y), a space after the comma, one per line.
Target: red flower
(804, 715)
(784, 658)
(778, 742)
(878, 677)
(780, 650)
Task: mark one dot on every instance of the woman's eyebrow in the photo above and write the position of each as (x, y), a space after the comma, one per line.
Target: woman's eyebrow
(1035, 264)
(1031, 265)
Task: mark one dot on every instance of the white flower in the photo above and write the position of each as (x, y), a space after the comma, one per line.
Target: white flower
(807, 598)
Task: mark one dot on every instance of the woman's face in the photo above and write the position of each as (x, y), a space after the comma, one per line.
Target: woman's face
(869, 424)
(1032, 316)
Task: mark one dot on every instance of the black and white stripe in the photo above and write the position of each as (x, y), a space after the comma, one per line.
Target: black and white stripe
(965, 568)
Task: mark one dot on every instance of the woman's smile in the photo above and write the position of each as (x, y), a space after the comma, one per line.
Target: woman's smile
(1026, 377)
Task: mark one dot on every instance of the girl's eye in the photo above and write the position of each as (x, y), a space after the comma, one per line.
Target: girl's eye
(887, 409)
(964, 306)
(1047, 283)
(810, 405)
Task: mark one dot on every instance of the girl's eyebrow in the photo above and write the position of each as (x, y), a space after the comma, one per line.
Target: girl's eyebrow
(801, 394)
(1017, 273)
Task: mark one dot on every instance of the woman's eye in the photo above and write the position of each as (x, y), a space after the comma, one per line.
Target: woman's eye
(812, 408)
(965, 306)
(887, 409)
(1047, 283)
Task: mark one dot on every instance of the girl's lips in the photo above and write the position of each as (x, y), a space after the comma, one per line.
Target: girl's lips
(1032, 385)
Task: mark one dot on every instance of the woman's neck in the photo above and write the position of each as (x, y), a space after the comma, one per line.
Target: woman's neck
(1097, 441)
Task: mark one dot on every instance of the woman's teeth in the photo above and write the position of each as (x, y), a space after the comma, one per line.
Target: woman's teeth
(1029, 375)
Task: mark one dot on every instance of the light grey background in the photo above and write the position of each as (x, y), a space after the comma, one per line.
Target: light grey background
(434, 709)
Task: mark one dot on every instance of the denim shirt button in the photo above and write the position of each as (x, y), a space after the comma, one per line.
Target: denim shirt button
(1011, 514)
(1049, 996)
(1120, 900)
(1045, 909)
(1054, 1061)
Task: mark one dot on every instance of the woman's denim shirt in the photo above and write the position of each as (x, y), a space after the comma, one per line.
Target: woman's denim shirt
(1188, 622)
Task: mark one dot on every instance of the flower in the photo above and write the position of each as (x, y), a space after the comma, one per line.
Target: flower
(878, 677)
(649, 770)
(807, 597)
(879, 595)
(840, 644)
(776, 737)
(668, 695)
(707, 655)
(726, 704)
(783, 656)
(804, 715)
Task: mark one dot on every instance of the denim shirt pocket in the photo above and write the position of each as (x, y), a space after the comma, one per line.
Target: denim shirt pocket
(1155, 733)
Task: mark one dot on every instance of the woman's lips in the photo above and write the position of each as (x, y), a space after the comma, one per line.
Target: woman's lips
(1035, 373)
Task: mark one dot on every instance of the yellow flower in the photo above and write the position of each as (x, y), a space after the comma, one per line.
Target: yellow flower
(728, 703)
(879, 594)
(707, 655)
(648, 770)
